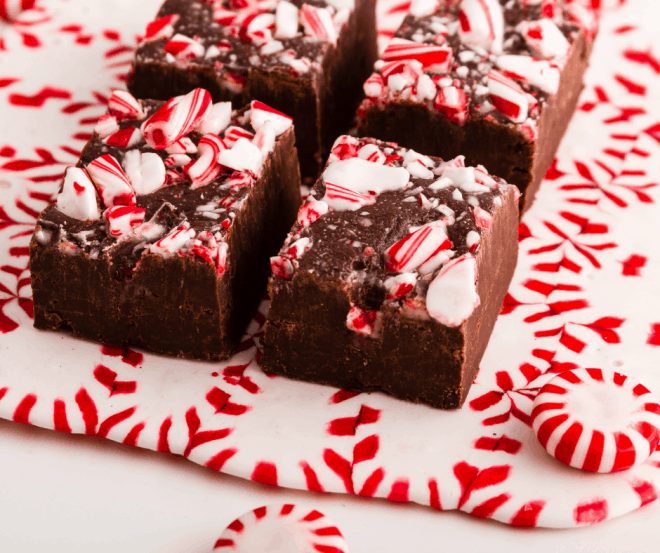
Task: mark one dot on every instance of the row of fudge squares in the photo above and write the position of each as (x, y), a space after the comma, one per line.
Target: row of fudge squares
(166, 232)
(494, 80)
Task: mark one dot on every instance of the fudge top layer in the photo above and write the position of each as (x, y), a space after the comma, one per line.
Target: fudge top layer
(232, 36)
(162, 179)
(400, 229)
(492, 59)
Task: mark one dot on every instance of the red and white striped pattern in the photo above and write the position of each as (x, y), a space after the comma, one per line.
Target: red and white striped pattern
(482, 24)
(261, 114)
(282, 529)
(418, 248)
(597, 420)
(122, 219)
(206, 168)
(434, 59)
(545, 39)
(399, 286)
(365, 322)
(174, 241)
(507, 97)
(123, 105)
(10, 9)
(163, 27)
(374, 86)
(111, 181)
(176, 118)
(124, 138)
(340, 198)
(451, 101)
(183, 47)
(310, 211)
(538, 73)
(317, 23)
(78, 199)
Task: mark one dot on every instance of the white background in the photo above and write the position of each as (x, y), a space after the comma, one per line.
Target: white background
(72, 494)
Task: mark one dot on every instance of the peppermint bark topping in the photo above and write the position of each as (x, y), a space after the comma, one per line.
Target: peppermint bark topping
(400, 229)
(477, 59)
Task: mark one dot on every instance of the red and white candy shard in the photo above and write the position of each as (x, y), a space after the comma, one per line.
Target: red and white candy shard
(111, 181)
(399, 286)
(341, 198)
(106, 125)
(217, 118)
(362, 178)
(175, 240)
(123, 105)
(507, 97)
(539, 73)
(233, 133)
(260, 114)
(78, 199)
(183, 47)
(286, 20)
(122, 219)
(146, 171)
(205, 168)
(374, 86)
(242, 156)
(464, 178)
(544, 39)
(422, 8)
(127, 137)
(284, 528)
(452, 295)
(176, 118)
(482, 24)
(597, 420)
(10, 9)
(434, 59)
(310, 211)
(163, 27)
(317, 23)
(363, 322)
(417, 248)
(452, 102)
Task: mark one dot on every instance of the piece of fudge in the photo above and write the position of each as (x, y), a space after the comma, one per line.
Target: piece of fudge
(307, 59)
(160, 237)
(393, 274)
(494, 80)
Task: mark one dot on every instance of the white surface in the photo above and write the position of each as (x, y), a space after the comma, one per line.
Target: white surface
(80, 495)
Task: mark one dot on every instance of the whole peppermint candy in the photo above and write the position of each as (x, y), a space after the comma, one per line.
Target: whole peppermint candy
(284, 528)
(597, 420)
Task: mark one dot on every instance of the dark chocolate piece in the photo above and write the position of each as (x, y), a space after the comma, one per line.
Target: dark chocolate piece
(393, 275)
(307, 59)
(496, 81)
(160, 238)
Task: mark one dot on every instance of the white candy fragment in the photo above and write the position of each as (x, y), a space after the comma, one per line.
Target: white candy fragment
(452, 296)
(217, 118)
(286, 20)
(260, 113)
(77, 198)
(363, 177)
(242, 156)
(146, 171)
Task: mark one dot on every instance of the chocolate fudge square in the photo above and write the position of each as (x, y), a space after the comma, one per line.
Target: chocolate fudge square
(307, 59)
(393, 274)
(496, 81)
(160, 237)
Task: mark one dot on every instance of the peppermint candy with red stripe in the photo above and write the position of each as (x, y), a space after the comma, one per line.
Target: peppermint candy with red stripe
(539, 73)
(124, 138)
(123, 105)
(374, 86)
(78, 199)
(286, 20)
(284, 528)
(183, 47)
(544, 39)
(340, 198)
(174, 241)
(317, 23)
(217, 118)
(243, 155)
(597, 420)
(145, 170)
(311, 211)
(163, 27)
(206, 168)
(233, 133)
(111, 181)
(106, 125)
(176, 118)
(10, 9)
(418, 248)
(452, 295)
(399, 286)
(257, 28)
(451, 101)
(507, 97)
(434, 59)
(364, 322)
(481, 24)
(122, 219)
(372, 153)
(261, 113)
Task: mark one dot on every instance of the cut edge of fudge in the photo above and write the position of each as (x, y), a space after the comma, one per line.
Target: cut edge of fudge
(305, 59)
(447, 86)
(160, 237)
(393, 275)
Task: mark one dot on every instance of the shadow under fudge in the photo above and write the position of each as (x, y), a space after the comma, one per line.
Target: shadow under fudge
(322, 99)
